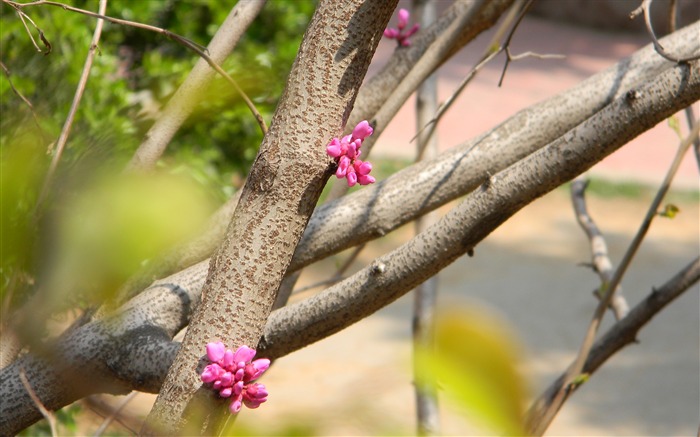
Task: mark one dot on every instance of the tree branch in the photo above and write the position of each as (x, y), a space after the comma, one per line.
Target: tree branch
(599, 249)
(279, 196)
(620, 335)
(393, 274)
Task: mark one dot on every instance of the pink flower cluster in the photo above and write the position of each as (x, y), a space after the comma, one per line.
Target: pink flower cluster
(231, 375)
(398, 34)
(347, 150)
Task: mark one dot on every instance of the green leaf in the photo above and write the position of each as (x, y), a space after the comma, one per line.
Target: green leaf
(675, 125)
(475, 363)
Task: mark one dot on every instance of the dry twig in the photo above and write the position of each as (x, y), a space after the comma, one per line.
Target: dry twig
(621, 334)
(644, 9)
(599, 250)
(48, 415)
(574, 371)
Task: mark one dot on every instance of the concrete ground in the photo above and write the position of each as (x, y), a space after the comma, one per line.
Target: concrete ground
(358, 382)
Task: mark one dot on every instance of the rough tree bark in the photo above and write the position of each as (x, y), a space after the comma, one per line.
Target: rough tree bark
(279, 196)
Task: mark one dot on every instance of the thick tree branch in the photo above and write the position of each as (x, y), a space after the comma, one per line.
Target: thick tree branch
(279, 196)
(498, 198)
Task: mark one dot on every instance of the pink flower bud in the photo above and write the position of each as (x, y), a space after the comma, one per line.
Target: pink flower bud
(238, 388)
(352, 177)
(362, 167)
(226, 379)
(366, 179)
(243, 354)
(333, 148)
(352, 150)
(211, 373)
(228, 359)
(390, 32)
(403, 18)
(255, 369)
(226, 392)
(235, 406)
(343, 166)
(362, 130)
(215, 351)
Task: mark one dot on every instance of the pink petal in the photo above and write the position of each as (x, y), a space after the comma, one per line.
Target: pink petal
(211, 373)
(243, 354)
(235, 406)
(226, 379)
(362, 130)
(255, 369)
(228, 359)
(352, 178)
(215, 351)
(343, 166)
(238, 388)
(240, 373)
(334, 150)
(362, 167)
(390, 32)
(366, 179)
(403, 18)
(352, 150)
(226, 392)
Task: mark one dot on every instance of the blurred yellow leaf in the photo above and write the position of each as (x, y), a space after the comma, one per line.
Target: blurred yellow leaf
(669, 211)
(675, 125)
(474, 362)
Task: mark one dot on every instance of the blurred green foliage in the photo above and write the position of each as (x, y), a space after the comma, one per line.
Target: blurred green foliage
(65, 421)
(133, 76)
(475, 362)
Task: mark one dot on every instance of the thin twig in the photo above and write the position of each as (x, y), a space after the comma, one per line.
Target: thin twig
(339, 274)
(622, 333)
(198, 49)
(506, 45)
(68, 125)
(23, 16)
(690, 116)
(105, 423)
(575, 369)
(644, 9)
(21, 96)
(599, 249)
(48, 415)
(514, 17)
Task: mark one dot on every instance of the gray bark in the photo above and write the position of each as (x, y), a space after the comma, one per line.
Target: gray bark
(279, 196)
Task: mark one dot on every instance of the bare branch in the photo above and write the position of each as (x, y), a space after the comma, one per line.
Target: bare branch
(108, 420)
(68, 125)
(644, 9)
(619, 335)
(599, 249)
(607, 291)
(393, 274)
